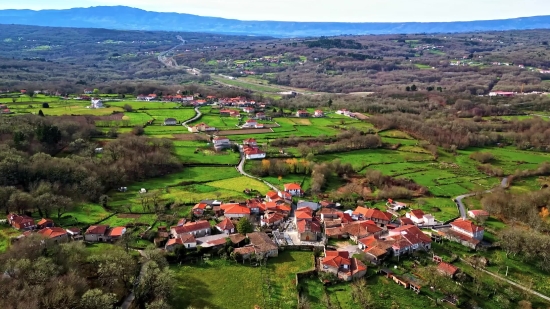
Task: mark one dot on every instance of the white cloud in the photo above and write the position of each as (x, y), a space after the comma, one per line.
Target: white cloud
(323, 10)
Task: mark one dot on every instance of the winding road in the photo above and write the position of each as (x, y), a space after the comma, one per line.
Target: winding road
(240, 169)
(198, 114)
(458, 199)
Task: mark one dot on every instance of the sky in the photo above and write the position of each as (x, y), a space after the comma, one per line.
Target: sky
(319, 10)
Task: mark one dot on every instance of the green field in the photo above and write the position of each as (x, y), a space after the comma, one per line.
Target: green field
(225, 284)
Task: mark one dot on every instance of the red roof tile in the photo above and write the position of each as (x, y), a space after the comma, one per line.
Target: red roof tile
(236, 210)
(226, 225)
(292, 186)
(117, 231)
(418, 213)
(336, 259)
(467, 225)
(97, 229)
(52, 232)
(447, 268)
(191, 227)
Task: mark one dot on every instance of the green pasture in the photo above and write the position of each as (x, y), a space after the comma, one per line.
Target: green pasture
(222, 282)
(203, 155)
(142, 105)
(6, 232)
(181, 114)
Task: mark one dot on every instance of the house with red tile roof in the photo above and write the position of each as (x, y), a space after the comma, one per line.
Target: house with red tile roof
(478, 214)
(272, 219)
(21, 222)
(198, 229)
(201, 127)
(250, 142)
(319, 113)
(54, 234)
(381, 218)
(235, 211)
(303, 214)
(116, 232)
(293, 189)
(271, 196)
(188, 241)
(376, 249)
(309, 230)
(360, 229)
(255, 205)
(44, 223)
(406, 221)
(198, 209)
(302, 114)
(329, 213)
(447, 269)
(252, 153)
(416, 216)
(221, 142)
(468, 228)
(279, 207)
(342, 265)
(226, 226)
(97, 233)
(407, 239)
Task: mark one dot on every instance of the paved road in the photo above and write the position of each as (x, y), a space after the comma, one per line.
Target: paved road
(198, 114)
(240, 169)
(458, 199)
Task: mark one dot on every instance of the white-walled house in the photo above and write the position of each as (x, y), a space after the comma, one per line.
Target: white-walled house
(294, 189)
(198, 229)
(221, 142)
(416, 216)
(96, 103)
(252, 153)
(468, 228)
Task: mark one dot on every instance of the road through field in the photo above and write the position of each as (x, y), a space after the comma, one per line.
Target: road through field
(458, 199)
(240, 169)
(198, 114)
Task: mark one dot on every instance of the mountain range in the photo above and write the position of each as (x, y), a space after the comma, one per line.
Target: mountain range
(127, 18)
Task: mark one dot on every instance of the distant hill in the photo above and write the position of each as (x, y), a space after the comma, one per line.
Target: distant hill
(127, 18)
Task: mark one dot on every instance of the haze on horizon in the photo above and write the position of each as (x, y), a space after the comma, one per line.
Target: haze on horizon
(320, 10)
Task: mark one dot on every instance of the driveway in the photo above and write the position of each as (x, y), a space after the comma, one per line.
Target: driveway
(460, 205)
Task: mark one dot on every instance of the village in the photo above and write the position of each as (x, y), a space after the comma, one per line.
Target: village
(394, 240)
(348, 242)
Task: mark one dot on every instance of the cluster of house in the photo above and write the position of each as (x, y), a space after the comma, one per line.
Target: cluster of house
(251, 150)
(47, 229)
(192, 234)
(305, 114)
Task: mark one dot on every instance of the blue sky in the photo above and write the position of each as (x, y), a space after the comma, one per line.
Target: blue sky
(319, 10)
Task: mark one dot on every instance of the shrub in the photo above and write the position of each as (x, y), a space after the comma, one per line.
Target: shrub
(482, 157)
(45, 105)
